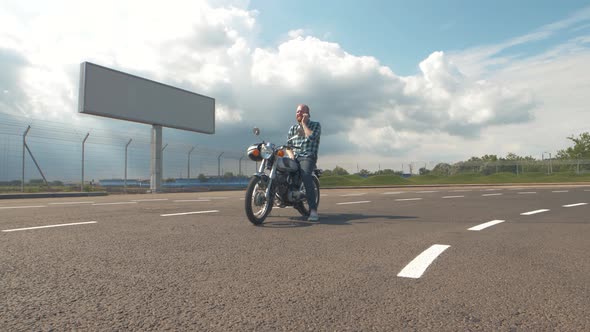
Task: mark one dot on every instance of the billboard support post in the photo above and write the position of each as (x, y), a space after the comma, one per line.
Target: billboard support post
(125, 181)
(83, 143)
(156, 162)
(188, 168)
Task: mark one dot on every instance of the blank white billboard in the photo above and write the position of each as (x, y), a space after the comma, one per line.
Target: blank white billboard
(114, 94)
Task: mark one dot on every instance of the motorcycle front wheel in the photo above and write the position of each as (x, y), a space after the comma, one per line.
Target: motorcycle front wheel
(303, 206)
(257, 206)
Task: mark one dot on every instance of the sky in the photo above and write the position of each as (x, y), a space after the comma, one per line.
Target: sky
(391, 82)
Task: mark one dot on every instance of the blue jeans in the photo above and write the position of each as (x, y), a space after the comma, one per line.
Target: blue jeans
(307, 165)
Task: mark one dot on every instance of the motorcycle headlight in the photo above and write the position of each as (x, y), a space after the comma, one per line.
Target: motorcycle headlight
(267, 150)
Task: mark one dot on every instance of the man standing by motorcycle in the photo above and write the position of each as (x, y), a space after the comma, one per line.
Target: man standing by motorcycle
(308, 143)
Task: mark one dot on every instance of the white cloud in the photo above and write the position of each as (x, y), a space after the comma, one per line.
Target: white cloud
(224, 114)
(296, 33)
(210, 48)
(478, 61)
(440, 98)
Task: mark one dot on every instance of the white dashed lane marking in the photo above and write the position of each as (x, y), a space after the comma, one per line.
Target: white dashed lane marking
(187, 213)
(392, 193)
(70, 203)
(426, 192)
(485, 225)
(534, 212)
(359, 202)
(149, 200)
(192, 200)
(453, 196)
(574, 205)
(408, 199)
(23, 207)
(560, 191)
(498, 194)
(49, 226)
(114, 203)
(527, 193)
(418, 265)
(355, 194)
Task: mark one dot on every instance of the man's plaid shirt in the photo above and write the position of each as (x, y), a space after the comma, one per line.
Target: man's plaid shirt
(309, 145)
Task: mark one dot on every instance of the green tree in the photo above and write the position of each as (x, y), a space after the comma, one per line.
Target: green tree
(387, 171)
(202, 178)
(512, 157)
(580, 150)
(489, 157)
(441, 169)
(484, 158)
(339, 171)
(424, 171)
(364, 173)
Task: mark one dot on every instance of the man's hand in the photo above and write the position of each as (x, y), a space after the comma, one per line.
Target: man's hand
(305, 119)
(290, 153)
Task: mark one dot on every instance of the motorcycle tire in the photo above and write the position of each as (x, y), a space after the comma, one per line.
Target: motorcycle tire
(303, 207)
(256, 197)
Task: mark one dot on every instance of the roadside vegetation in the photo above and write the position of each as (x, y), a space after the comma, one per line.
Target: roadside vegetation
(499, 178)
(568, 165)
(38, 186)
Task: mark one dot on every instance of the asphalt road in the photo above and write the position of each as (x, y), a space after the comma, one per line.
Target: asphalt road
(379, 260)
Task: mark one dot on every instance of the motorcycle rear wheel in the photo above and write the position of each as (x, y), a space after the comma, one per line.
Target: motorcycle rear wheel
(257, 206)
(303, 206)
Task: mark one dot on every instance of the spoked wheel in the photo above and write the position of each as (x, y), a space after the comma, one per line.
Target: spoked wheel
(303, 206)
(257, 206)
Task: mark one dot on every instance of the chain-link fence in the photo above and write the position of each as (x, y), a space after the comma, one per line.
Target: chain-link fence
(51, 157)
(48, 156)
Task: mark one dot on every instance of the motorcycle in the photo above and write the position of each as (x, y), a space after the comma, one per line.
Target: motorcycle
(278, 181)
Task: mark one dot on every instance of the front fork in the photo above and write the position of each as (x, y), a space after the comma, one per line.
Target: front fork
(271, 176)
